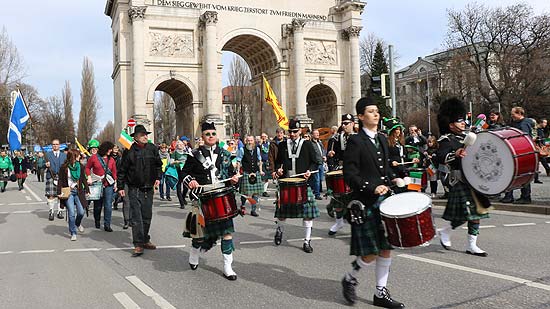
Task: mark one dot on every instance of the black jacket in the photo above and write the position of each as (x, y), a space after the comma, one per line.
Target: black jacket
(139, 167)
(366, 167)
(307, 161)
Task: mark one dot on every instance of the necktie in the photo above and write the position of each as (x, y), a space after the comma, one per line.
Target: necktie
(375, 140)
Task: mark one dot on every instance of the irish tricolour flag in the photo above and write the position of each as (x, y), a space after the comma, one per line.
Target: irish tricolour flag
(416, 181)
(125, 139)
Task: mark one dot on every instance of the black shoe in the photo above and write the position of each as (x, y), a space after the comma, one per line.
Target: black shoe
(193, 267)
(331, 233)
(523, 201)
(307, 247)
(125, 226)
(182, 206)
(538, 181)
(162, 198)
(319, 198)
(230, 278)
(107, 228)
(184, 202)
(348, 289)
(253, 213)
(386, 301)
(169, 199)
(482, 254)
(265, 194)
(51, 216)
(507, 200)
(278, 236)
(97, 225)
(59, 215)
(138, 251)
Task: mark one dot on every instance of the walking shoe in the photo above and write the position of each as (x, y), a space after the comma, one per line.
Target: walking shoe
(254, 213)
(386, 301)
(538, 181)
(184, 202)
(307, 247)
(265, 194)
(278, 236)
(59, 214)
(507, 200)
(51, 216)
(125, 226)
(523, 201)
(80, 229)
(137, 251)
(319, 198)
(182, 206)
(149, 246)
(97, 225)
(348, 289)
(107, 228)
(162, 198)
(169, 199)
(73, 237)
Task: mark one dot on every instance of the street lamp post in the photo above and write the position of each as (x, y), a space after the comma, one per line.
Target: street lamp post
(429, 105)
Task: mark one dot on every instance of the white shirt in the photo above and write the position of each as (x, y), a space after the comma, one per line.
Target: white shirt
(371, 135)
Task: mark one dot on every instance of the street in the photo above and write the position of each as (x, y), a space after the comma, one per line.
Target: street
(42, 268)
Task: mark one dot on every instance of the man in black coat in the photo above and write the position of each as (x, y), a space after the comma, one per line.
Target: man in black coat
(140, 170)
(367, 171)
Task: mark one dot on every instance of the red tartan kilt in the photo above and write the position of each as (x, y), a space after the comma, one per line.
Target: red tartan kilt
(21, 175)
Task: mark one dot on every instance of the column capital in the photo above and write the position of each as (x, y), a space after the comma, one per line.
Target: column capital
(352, 31)
(136, 12)
(209, 17)
(298, 24)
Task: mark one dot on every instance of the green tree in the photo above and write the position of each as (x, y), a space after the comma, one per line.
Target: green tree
(379, 67)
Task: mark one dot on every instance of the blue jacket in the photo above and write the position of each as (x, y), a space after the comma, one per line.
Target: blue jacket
(55, 163)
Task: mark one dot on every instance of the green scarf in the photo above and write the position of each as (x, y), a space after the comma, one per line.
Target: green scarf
(75, 171)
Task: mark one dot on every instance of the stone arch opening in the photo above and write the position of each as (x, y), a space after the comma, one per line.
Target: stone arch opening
(181, 110)
(257, 53)
(321, 106)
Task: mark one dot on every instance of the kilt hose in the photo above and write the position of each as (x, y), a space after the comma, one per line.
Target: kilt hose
(370, 237)
(51, 188)
(461, 206)
(308, 210)
(251, 189)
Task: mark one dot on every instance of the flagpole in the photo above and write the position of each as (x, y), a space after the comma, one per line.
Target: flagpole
(262, 105)
(28, 112)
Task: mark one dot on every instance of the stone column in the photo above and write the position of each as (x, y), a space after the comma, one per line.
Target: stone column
(352, 33)
(136, 14)
(299, 68)
(210, 66)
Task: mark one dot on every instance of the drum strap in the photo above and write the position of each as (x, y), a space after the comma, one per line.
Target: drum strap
(294, 153)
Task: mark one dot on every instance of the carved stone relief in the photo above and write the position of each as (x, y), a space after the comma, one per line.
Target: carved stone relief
(320, 52)
(171, 44)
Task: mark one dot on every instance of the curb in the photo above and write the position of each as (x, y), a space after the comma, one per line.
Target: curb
(533, 209)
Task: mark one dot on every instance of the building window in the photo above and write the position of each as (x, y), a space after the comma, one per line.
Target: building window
(404, 90)
(227, 131)
(226, 98)
(228, 109)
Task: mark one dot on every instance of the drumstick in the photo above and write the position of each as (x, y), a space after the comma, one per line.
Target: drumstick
(220, 181)
(405, 163)
(302, 174)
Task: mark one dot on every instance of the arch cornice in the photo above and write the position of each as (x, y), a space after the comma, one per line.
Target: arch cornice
(250, 31)
(159, 80)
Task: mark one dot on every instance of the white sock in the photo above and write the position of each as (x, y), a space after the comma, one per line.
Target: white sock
(266, 184)
(358, 264)
(194, 256)
(308, 225)
(382, 271)
(281, 225)
(50, 204)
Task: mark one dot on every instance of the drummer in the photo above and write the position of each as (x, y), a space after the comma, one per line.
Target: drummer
(367, 171)
(297, 156)
(251, 185)
(396, 143)
(463, 203)
(339, 203)
(208, 164)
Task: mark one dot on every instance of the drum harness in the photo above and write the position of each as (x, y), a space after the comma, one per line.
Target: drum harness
(294, 148)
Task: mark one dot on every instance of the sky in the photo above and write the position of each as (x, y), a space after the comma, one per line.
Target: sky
(53, 37)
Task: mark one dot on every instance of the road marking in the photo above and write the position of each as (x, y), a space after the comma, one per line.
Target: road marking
(4, 213)
(22, 212)
(548, 222)
(255, 242)
(169, 247)
(82, 250)
(31, 203)
(343, 236)
(18, 203)
(519, 224)
(28, 198)
(481, 227)
(37, 251)
(6, 252)
(117, 249)
(478, 271)
(38, 199)
(148, 291)
(125, 301)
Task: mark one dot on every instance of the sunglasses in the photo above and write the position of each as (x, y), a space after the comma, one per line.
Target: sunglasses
(210, 134)
(460, 120)
(293, 131)
(346, 123)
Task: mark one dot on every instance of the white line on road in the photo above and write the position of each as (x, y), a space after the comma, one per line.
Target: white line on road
(18, 203)
(82, 250)
(255, 242)
(478, 271)
(37, 251)
(343, 236)
(28, 198)
(301, 239)
(4, 212)
(117, 249)
(31, 203)
(548, 222)
(22, 212)
(6, 252)
(126, 301)
(38, 199)
(481, 227)
(148, 291)
(519, 224)
(169, 247)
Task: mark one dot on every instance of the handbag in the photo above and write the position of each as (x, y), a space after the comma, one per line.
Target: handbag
(96, 191)
(108, 173)
(65, 193)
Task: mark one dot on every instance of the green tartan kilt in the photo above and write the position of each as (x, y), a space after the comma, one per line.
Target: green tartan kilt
(461, 205)
(309, 210)
(214, 230)
(51, 188)
(339, 202)
(248, 189)
(267, 170)
(370, 237)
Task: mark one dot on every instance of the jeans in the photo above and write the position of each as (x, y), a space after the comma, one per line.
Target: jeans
(74, 205)
(40, 174)
(141, 213)
(182, 192)
(525, 193)
(161, 188)
(105, 201)
(317, 178)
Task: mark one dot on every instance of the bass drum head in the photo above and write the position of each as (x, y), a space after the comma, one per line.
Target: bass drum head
(489, 164)
(405, 204)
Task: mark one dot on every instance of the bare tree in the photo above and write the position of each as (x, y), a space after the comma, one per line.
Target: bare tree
(107, 134)
(87, 120)
(507, 51)
(165, 117)
(241, 96)
(67, 98)
(51, 119)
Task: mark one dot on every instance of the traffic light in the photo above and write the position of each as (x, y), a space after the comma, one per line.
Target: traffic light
(379, 85)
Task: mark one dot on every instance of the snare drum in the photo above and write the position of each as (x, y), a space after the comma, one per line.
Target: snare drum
(408, 219)
(335, 182)
(219, 204)
(500, 161)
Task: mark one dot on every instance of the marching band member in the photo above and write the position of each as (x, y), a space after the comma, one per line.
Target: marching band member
(396, 144)
(339, 204)
(249, 158)
(367, 171)
(206, 166)
(464, 204)
(297, 156)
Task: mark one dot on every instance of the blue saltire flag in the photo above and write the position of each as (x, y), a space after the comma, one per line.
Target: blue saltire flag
(19, 118)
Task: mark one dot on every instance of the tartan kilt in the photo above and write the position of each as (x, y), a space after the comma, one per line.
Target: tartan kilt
(461, 205)
(21, 175)
(51, 188)
(308, 211)
(339, 202)
(370, 237)
(267, 170)
(251, 189)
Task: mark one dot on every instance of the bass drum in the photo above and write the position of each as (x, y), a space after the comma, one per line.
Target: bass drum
(500, 161)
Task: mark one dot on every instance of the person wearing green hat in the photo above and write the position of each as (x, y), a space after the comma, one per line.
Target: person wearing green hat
(6, 168)
(396, 142)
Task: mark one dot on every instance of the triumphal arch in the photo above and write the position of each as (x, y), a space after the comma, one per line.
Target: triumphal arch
(308, 51)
